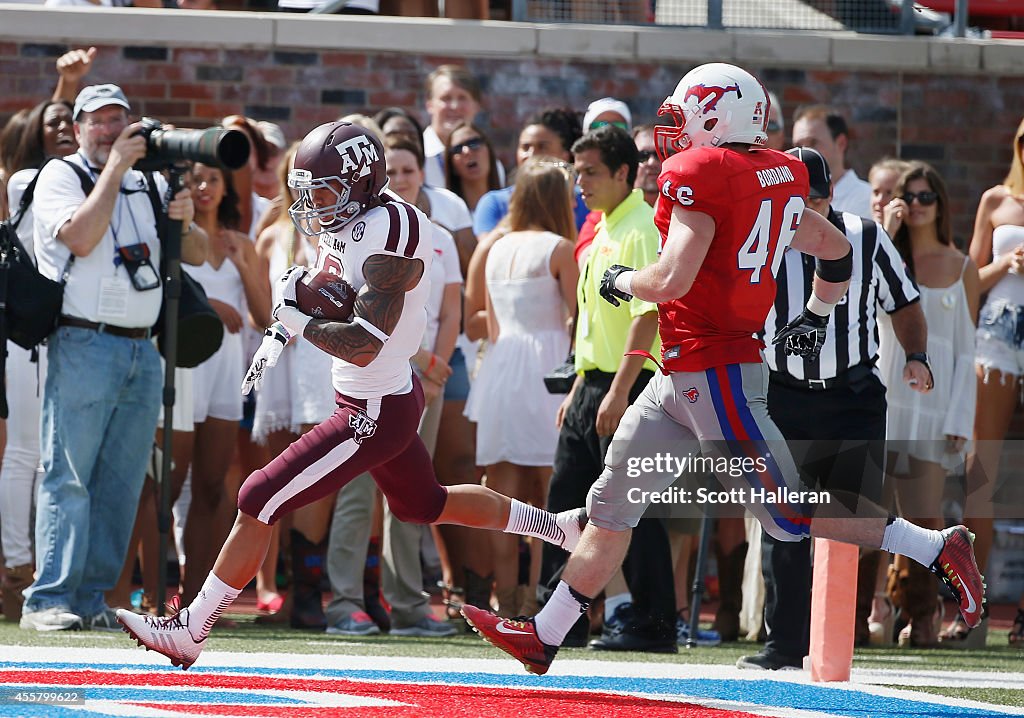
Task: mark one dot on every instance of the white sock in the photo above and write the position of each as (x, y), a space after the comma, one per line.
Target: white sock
(559, 615)
(213, 598)
(921, 544)
(527, 520)
(613, 602)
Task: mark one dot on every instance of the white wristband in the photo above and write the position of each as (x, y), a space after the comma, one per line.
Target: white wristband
(624, 282)
(293, 320)
(819, 307)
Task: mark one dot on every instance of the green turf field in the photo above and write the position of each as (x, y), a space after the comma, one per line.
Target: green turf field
(998, 657)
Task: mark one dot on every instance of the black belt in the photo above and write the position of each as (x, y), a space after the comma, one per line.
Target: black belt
(851, 376)
(129, 332)
(598, 375)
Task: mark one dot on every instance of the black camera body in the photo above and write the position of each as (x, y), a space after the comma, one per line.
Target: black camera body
(560, 379)
(215, 146)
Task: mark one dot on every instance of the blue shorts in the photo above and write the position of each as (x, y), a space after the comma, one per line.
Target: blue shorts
(457, 386)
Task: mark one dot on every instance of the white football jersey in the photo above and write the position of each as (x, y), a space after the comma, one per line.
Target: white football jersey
(402, 230)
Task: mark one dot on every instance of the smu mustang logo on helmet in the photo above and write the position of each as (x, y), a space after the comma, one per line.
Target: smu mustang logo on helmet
(709, 95)
(356, 156)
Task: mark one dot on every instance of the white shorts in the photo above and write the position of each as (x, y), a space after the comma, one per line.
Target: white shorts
(183, 413)
(217, 382)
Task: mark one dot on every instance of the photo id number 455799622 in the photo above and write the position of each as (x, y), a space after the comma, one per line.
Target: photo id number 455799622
(20, 696)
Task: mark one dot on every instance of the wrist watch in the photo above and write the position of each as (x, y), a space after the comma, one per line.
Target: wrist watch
(923, 358)
(919, 356)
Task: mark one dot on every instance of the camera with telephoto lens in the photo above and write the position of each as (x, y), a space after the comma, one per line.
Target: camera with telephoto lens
(215, 146)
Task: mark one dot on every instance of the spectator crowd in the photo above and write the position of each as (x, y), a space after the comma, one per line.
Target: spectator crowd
(519, 253)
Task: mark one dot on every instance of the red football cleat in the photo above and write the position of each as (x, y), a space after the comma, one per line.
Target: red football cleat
(956, 567)
(516, 636)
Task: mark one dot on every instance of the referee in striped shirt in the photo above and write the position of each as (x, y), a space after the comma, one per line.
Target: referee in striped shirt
(831, 408)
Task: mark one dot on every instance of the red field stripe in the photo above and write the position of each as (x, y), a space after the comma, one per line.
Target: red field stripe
(432, 699)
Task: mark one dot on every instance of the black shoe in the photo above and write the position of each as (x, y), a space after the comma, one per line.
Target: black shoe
(765, 661)
(627, 641)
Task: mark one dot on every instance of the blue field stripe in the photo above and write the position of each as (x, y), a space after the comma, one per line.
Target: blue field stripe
(767, 693)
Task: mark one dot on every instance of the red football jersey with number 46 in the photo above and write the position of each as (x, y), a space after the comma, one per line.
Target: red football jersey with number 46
(757, 200)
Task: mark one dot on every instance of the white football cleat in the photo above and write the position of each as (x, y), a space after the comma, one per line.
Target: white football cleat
(169, 635)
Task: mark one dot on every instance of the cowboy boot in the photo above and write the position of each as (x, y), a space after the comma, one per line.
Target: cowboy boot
(15, 581)
(307, 571)
(730, 590)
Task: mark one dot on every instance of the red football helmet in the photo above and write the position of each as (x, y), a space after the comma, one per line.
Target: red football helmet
(712, 105)
(339, 171)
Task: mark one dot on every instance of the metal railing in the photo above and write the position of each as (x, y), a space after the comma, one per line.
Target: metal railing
(866, 16)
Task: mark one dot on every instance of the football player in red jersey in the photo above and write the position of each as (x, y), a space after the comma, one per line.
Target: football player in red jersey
(728, 210)
(381, 246)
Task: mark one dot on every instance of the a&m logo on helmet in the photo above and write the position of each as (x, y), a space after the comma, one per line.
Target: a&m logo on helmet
(356, 155)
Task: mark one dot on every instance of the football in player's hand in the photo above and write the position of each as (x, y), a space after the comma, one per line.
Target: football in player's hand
(323, 295)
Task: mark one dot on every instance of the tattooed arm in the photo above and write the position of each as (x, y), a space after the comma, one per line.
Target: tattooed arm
(380, 303)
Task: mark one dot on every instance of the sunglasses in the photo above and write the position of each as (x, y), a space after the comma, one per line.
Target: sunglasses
(926, 198)
(645, 155)
(602, 123)
(567, 169)
(472, 144)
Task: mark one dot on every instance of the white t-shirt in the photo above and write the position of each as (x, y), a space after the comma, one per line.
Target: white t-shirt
(98, 289)
(444, 270)
(852, 194)
(448, 209)
(433, 154)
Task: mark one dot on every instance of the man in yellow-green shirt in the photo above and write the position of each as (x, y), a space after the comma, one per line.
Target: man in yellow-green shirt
(607, 383)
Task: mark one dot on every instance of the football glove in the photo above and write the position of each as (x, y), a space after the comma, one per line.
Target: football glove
(804, 335)
(275, 339)
(609, 292)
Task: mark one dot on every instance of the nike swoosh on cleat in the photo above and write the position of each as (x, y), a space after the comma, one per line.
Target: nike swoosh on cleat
(502, 628)
(971, 605)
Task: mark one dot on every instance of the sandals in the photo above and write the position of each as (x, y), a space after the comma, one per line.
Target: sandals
(958, 635)
(454, 598)
(1017, 630)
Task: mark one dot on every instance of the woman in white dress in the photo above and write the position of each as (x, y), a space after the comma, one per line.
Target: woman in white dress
(531, 278)
(234, 279)
(293, 398)
(927, 433)
(997, 247)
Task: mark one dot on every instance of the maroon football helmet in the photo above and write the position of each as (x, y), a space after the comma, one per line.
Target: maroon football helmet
(338, 171)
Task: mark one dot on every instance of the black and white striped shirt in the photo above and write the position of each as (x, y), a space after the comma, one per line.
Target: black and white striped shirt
(879, 279)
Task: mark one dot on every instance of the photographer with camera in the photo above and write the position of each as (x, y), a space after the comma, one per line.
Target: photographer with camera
(103, 386)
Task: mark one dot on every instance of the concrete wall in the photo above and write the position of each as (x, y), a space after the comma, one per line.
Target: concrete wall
(955, 103)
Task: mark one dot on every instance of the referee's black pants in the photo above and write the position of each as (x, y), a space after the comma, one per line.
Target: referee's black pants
(579, 461)
(837, 437)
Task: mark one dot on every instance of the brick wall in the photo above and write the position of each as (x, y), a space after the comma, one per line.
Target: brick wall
(962, 124)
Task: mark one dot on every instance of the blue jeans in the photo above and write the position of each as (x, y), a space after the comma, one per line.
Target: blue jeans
(100, 408)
